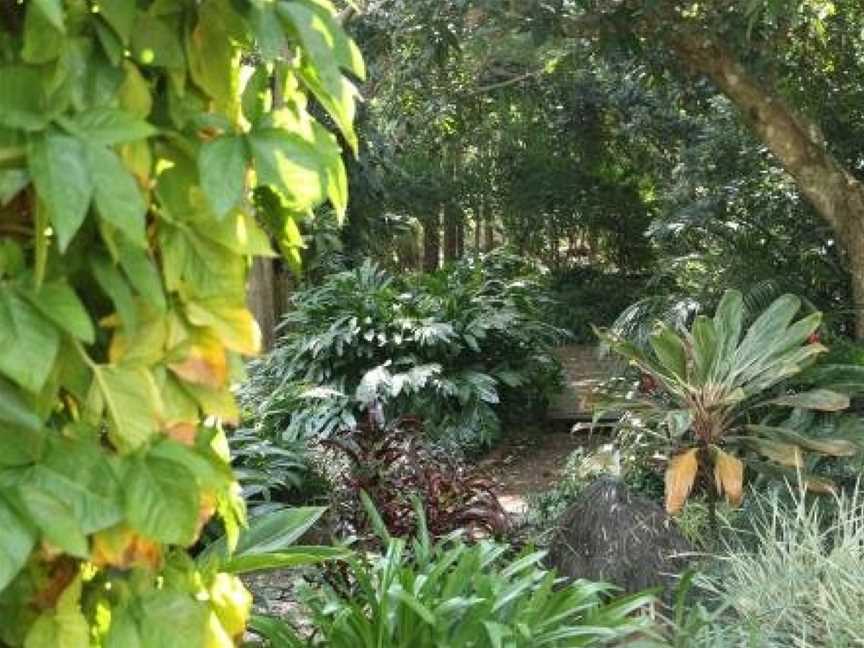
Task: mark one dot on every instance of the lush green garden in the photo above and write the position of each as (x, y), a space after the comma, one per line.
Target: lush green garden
(279, 278)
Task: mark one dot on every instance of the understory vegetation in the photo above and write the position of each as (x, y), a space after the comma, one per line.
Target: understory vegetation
(431, 323)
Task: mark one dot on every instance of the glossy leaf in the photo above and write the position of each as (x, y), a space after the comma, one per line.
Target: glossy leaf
(161, 500)
(16, 542)
(28, 342)
(223, 163)
(60, 172)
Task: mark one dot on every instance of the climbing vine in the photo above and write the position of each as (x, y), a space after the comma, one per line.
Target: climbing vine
(133, 137)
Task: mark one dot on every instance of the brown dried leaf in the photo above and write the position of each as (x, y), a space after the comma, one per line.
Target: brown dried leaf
(680, 475)
(123, 548)
(729, 477)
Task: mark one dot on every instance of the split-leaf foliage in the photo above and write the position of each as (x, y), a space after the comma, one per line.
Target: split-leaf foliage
(132, 135)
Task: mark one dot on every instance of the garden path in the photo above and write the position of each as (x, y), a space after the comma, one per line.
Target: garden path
(532, 462)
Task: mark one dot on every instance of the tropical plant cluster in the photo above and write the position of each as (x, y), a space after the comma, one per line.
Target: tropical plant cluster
(717, 390)
(397, 468)
(454, 348)
(131, 136)
(429, 594)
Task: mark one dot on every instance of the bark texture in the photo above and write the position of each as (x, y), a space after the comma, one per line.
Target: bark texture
(432, 242)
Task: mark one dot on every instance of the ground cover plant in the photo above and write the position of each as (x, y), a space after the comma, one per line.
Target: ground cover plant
(450, 593)
(127, 152)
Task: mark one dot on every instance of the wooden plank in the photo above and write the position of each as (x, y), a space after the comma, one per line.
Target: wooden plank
(584, 371)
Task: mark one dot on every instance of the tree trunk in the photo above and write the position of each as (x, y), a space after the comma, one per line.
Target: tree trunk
(797, 143)
(432, 241)
(460, 238)
(451, 232)
(478, 226)
(490, 232)
(261, 299)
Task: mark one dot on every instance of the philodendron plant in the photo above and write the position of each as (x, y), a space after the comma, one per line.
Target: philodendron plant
(713, 383)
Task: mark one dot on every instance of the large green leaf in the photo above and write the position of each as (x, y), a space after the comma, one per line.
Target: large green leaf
(282, 559)
(77, 473)
(60, 172)
(222, 164)
(161, 500)
(761, 337)
(118, 199)
(43, 42)
(55, 519)
(131, 402)
(832, 447)
(705, 346)
(671, 352)
(16, 541)
(327, 48)
(15, 410)
(109, 126)
(22, 101)
(728, 321)
(58, 302)
(271, 533)
(213, 59)
(822, 400)
(295, 167)
(28, 342)
(65, 626)
(53, 12)
(114, 284)
(120, 14)
(155, 42)
(143, 274)
(170, 619)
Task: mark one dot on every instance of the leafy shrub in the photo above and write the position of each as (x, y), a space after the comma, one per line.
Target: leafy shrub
(446, 347)
(712, 388)
(128, 153)
(395, 466)
(454, 594)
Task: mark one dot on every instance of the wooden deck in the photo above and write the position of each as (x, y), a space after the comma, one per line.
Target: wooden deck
(584, 369)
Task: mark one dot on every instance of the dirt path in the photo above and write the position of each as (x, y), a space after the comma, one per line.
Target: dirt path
(532, 463)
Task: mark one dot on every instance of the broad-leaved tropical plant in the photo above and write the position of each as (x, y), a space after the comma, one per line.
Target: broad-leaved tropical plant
(710, 386)
(452, 594)
(132, 134)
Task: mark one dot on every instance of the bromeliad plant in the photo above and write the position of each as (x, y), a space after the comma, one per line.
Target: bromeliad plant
(712, 386)
(132, 133)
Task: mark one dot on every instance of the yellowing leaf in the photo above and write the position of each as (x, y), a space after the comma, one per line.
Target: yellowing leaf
(182, 432)
(729, 477)
(123, 548)
(232, 603)
(786, 454)
(680, 475)
(817, 485)
(233, 325)
(204, 363)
